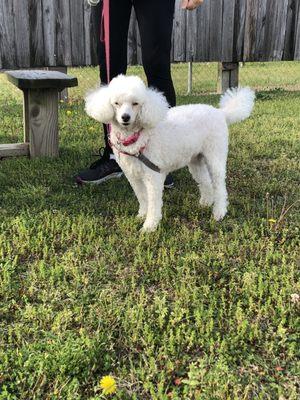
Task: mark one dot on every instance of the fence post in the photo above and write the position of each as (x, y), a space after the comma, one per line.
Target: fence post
(190, 77)
(228, 76)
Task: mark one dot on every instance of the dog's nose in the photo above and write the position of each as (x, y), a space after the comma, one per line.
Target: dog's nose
(125, 117)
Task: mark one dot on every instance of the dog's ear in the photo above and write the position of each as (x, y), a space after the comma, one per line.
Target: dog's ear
(154, 108)
(98, 105)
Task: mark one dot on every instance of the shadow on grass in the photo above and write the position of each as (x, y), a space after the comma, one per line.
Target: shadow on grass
(48, 184)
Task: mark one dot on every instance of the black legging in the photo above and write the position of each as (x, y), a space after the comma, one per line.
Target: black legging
(155, 20)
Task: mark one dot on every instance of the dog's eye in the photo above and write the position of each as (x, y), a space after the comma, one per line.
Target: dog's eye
(135, 104)
(116, 104)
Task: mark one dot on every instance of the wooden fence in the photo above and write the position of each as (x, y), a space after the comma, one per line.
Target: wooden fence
(40, 33)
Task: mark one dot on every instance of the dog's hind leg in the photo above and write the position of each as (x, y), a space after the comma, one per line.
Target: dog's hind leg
(154, 185)
(199, 172)
(217, 170)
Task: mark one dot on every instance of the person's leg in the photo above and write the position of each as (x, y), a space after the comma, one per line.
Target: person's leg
(106, 167)
(119, 19)
(155, 20)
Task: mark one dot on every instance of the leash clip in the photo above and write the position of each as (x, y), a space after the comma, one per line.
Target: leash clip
(93, 2)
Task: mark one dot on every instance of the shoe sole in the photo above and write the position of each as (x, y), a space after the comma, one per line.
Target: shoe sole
(170, 186)
(80, 181)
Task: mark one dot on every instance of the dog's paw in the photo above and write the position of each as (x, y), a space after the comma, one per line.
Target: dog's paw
(206, 200)
(148, 227)
(141, 216)
(219, 213)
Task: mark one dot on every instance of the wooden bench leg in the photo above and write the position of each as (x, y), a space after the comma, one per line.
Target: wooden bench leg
(41, 121)
(228, 76)
(25, 116)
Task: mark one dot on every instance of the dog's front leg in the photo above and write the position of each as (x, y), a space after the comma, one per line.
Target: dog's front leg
(139, 189)
(154, 186)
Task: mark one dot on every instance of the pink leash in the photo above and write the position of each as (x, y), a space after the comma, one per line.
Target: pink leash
(105, 35)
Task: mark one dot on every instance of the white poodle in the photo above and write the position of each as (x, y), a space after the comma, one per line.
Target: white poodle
(150, 140)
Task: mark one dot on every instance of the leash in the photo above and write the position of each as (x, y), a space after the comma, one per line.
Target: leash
(139, 155)
(105, 37)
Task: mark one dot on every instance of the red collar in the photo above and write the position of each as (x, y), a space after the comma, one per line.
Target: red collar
(126, 142)
(139, 155)
(130, 139)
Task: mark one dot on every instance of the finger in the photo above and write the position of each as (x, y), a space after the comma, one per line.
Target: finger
(184, 4)
(192, 4)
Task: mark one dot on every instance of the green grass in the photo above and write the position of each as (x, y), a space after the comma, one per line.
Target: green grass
(197, 310)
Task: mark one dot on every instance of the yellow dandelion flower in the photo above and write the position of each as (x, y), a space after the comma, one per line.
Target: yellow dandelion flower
(69, 112)
(272, 220)
(108, 384)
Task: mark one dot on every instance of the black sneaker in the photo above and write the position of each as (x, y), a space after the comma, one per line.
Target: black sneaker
(100, 171)
(169, 182)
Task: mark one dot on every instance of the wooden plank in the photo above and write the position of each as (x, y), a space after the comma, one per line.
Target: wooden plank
(191, 35)
(40, 79)
(43, 123)
(215, 33)
(21, 32)
(37, 54)
(7, 35)
(239, 30)
(179, 29)
(63, 34)
(49, 9)
(297, 33)
(281, 22)
(260, 29)
(288, 50)
(228, 30)
(77, 33)
(87, 33)
(276, 16)
(14, 149)
(203, 28)
(250, 30)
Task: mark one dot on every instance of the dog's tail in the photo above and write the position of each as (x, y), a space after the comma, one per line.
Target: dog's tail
(237, 104)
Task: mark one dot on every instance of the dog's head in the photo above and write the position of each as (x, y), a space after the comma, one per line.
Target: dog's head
(127, 102)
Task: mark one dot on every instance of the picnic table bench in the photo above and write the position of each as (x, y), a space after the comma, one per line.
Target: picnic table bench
(40, 111)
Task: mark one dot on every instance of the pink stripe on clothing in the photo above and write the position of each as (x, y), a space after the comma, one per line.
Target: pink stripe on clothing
(105, 21)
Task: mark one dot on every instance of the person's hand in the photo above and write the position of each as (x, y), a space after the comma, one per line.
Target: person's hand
(190, 4)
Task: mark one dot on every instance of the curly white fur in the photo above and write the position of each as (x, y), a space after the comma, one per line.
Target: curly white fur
(193, 135)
